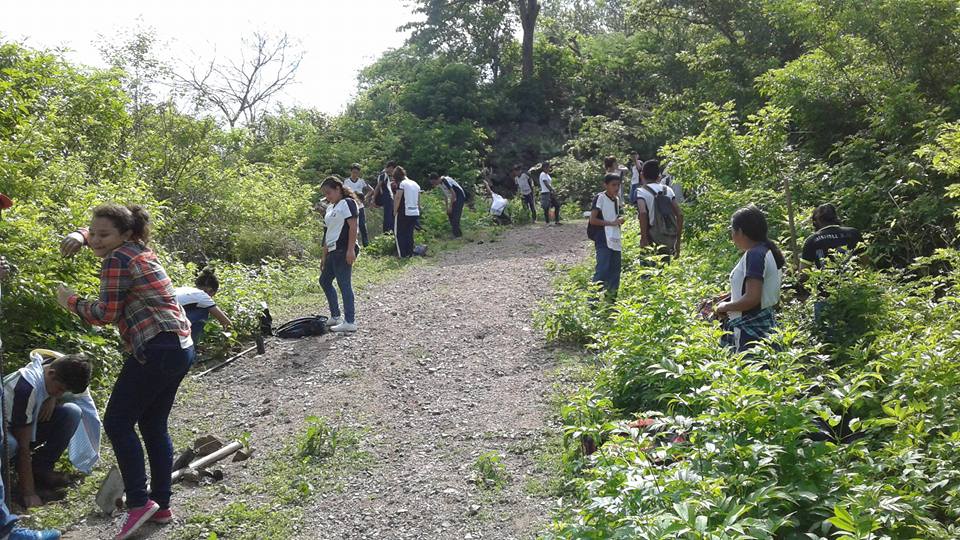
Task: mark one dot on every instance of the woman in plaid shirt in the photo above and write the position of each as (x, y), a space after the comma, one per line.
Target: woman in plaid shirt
(137, 296)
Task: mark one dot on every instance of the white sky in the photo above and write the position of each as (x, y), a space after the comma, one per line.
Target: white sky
(339, 37)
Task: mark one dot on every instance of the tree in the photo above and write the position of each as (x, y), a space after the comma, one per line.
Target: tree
(529, 11)
(241, 89)
(477, 32)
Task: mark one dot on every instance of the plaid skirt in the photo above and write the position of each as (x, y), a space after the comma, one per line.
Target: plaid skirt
(747, 330)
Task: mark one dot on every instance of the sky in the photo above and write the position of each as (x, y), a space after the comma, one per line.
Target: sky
(338, 37)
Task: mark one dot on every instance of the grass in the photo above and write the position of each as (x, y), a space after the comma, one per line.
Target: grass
(489, 471)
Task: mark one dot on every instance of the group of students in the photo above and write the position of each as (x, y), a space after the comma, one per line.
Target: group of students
(747, 310)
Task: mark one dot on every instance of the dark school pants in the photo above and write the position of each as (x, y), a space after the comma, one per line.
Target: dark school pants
(142, 397)
(386, 201)
(362, 225)
(406, 225)
(528, 203)
(455, 214)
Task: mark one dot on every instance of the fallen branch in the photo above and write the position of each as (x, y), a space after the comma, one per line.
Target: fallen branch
(206, 461)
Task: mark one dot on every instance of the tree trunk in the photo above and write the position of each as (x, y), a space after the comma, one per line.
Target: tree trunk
(529, 11)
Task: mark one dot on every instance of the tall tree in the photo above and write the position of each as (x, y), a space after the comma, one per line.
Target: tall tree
(529, 10)
(240, 89)
(477, 32)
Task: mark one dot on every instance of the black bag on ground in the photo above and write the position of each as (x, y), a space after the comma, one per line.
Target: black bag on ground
(314, 325)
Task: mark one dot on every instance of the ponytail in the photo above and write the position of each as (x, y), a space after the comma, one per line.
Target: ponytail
(334, 182)
(752, 222)
(133, 218)
(207, 279)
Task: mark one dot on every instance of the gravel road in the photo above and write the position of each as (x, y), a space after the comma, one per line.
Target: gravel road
(448, 365)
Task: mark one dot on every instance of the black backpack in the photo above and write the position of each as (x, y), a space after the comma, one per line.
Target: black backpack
(314, 325)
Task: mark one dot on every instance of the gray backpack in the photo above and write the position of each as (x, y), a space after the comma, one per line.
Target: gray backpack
(664, 230)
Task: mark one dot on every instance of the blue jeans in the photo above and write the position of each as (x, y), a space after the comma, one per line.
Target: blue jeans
(609, 262)
(455, 216)
(198, 320)
(53, 437)
(364, 239)
(633, 194)
(143, 396)
(336, 267)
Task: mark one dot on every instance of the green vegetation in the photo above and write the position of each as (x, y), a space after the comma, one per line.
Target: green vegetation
(881, 365)
(489, 471)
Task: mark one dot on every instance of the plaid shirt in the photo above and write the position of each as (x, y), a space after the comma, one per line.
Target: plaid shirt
(135, 293)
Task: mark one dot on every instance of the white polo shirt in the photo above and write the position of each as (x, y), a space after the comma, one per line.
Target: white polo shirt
(545, 181)
(411, 197)
(609, 211)
(523, 184)
(357, 187)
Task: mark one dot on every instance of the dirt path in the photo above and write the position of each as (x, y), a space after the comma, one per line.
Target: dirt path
(447, 366)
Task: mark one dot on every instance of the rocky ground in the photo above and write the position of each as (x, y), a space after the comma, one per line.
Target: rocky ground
(447, 366)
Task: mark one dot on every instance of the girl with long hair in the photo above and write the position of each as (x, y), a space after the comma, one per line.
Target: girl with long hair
(340, 250)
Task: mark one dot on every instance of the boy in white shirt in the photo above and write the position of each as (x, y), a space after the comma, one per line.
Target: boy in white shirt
(604, 230)
(525, 189)
(548, 197)
(363, 190)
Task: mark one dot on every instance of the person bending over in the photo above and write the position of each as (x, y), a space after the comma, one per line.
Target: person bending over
(198, 303)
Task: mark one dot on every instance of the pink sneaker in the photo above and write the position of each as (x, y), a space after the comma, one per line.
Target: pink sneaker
(135, 518)
(163, 516)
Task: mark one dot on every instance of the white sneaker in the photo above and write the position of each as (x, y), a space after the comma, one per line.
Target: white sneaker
(344, 327)
(334, 321)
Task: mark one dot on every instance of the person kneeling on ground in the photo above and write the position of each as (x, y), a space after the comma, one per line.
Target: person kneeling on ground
(340, 250)
(198, 303)
(604, 230)
(754, 281)
(41, 422)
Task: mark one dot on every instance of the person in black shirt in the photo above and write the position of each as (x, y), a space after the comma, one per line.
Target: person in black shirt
(829, 240)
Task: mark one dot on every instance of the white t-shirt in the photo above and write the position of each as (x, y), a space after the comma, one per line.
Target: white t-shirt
(758, 262)
(338, 235)
(634, 175)
(644, 195)
(191, 295)
(498, 206)
(357, 187)
(609, 211)
(451, 188)
(523, 184)
(411, 197)
(545, 181)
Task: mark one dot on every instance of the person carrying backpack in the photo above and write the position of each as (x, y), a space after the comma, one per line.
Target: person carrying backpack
(455, 197)
(661, 219)
(604, 230)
